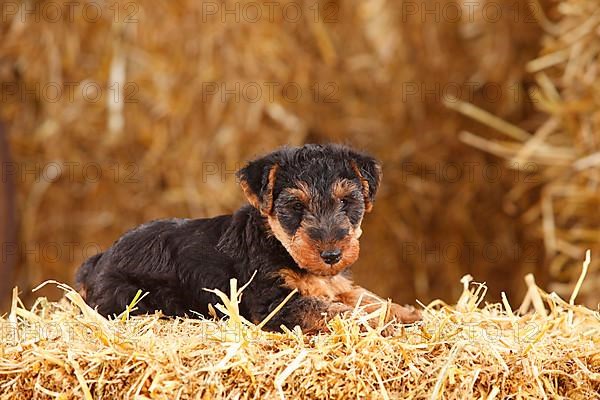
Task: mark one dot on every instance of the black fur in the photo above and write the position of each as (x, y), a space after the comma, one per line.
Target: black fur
(175, 259)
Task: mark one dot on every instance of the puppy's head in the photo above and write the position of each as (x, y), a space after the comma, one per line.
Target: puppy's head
(314, 198)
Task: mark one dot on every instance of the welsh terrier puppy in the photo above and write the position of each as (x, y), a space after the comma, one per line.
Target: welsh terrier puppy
(300, 231)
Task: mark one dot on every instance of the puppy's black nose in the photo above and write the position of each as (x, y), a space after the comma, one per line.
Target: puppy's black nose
(331, 256)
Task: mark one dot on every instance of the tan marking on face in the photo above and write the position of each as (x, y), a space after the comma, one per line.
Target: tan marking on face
(307, 253)
(343, 188)
(279, 232)
(301, 192)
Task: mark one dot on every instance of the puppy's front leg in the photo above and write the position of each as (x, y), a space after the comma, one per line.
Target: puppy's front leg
(310, 313)
(371, 302)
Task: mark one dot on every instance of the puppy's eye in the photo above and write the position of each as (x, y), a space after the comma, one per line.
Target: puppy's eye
(344, 202)
(298, 207)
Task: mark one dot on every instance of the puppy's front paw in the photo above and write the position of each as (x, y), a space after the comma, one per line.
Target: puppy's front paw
(404, 314)
(319, 324)
(338, 309)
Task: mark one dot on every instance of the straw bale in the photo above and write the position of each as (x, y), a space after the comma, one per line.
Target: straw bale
(473, 349)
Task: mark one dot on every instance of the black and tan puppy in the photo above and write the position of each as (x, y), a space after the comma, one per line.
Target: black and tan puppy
(300, 231)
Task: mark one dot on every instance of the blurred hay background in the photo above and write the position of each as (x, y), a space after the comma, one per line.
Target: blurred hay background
(372, 74)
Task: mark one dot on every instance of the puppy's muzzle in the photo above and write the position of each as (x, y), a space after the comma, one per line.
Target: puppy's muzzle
(331, 256)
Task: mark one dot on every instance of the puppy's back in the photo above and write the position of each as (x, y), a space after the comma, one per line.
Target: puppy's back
(162, 257)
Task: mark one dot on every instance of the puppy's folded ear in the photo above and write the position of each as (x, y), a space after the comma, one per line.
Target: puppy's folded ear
(369, 172)
(257, 179)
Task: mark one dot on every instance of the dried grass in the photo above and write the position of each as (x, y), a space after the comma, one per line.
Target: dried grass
(563, 154)
(470, 350)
